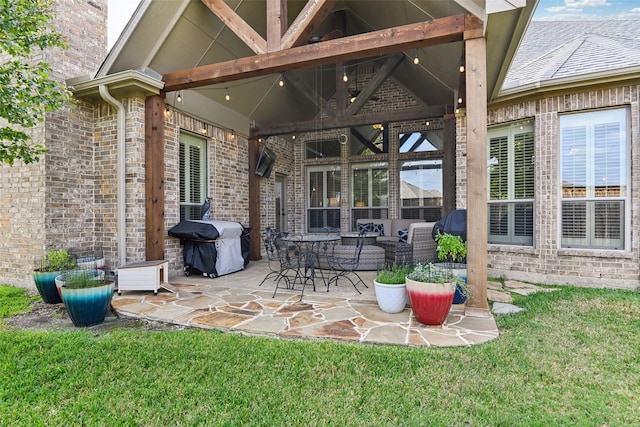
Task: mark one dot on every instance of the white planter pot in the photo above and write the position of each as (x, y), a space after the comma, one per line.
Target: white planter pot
(391, 298)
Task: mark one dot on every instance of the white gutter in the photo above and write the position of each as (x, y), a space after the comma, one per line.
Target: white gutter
(121, 201)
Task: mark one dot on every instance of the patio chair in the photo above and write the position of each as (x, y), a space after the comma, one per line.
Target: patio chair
(269, 239)
(346, 266)
(276, 253)
(292, 257)
(319, 259)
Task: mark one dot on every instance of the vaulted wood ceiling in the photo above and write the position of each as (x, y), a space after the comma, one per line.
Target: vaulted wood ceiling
(209, 49)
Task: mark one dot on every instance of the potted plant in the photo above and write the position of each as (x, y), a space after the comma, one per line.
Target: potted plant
(86, 295)
(54, 263)
(90, 259)
(452, 251)
(430, 293)
(390, 288)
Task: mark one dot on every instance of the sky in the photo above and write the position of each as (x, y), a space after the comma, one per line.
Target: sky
(119, 13)
(572, 10)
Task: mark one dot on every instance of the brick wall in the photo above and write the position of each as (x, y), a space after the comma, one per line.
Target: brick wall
(50, 203)
(546, 262)
(228, 168)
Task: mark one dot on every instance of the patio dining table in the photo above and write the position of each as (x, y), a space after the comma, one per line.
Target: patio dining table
(312, 247)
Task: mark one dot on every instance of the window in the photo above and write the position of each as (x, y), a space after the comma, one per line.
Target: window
(323, 198)
(192, 176)
(593, 170)
(369, 139)
(421, 190)
(511, 184)
(428, 140)
(320, 149)
(370, 191)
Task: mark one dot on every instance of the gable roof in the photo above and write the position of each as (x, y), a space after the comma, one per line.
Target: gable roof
(168, 36)
(556, 51)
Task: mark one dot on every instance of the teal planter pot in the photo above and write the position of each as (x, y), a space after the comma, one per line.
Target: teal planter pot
(88, 306)
(46, 284)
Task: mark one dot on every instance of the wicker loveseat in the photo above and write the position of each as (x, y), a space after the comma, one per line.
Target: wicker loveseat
(390, 227)
(419, 247)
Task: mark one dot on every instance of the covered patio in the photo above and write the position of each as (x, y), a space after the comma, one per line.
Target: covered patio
(235, 303)
(210, 82)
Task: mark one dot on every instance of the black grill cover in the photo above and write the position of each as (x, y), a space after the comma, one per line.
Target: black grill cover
(455, 223)
(194, 231)
(200, 252)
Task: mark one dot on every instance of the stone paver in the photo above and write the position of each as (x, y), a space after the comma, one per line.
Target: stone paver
(235, 303)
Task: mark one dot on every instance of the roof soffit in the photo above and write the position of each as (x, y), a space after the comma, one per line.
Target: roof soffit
(186, 34)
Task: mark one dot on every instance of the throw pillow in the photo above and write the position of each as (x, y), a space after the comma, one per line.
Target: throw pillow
(366, 227)
(403, 234)
(378, 228)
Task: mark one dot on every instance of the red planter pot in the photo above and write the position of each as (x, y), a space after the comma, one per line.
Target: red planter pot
(430, 302)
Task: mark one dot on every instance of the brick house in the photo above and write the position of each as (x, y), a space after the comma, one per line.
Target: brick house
(143, 146)
(564, 208)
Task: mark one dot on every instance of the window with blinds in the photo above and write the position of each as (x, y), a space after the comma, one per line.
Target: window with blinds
(594, 176)
(511, 184)
(192, 176)
(323, 198)
(370, 191)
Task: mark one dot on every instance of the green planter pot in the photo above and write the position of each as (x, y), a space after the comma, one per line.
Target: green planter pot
(60, 280)
(46, 284)
(88, 306)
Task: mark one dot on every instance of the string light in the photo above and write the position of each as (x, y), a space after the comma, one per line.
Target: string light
(281, 82)
(179, 99)
(227, 97)
(416, 60)
(460, 100)
(345, 78)
(462, 68)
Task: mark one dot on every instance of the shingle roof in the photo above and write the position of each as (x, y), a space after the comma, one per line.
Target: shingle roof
(556, 49)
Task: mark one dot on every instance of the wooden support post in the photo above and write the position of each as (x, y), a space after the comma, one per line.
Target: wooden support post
(154, 177)
(254, 198)
(476, 109)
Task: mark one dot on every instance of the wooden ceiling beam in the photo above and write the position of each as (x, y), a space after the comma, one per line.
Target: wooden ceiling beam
(276, 23)
(375, 43)
(238, 25)
(414, 113)
(381, 75)
(307, 21)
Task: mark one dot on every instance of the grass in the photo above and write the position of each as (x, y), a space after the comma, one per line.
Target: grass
(14, 301)
(570, 359)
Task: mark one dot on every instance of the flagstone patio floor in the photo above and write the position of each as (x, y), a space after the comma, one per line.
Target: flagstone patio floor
(235, 303)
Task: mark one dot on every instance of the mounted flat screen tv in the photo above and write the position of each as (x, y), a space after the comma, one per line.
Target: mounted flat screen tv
(265, 162)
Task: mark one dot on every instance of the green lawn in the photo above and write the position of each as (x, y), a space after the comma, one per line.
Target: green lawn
(571, 358)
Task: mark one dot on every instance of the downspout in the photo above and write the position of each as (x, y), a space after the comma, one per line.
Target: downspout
(121, 202)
